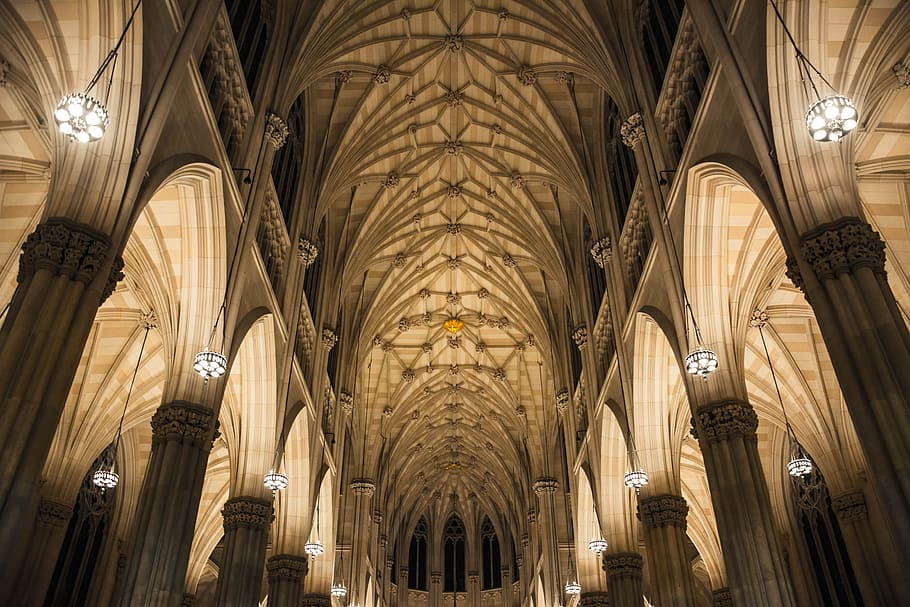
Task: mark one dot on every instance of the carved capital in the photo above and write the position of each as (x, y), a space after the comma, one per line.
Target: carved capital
(580, 335)
(329, 339)
(315, 600)
(307, 252)
(722, 598)
(184, 423)
(562, 401)
(4, 72)
(843, 247)
(632, 130)
(363, 486)
(795, 276)
(663, 511)
(67, 248)
(346, 400)
(526, 75)
(545, 484)
(901, 73)
(725, 420)
(594, 599)
(115, 276)
(602, 251)
(436, 577)
(623, 564)
(276, 130)
(247, 512)
(53, 514)
(850, 507)
(287, 567)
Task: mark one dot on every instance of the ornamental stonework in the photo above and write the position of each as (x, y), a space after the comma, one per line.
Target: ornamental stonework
(315, 600)
(4, 73)
(632, 130)
(594, 599)
(843, 247)
(722, 597)
(901, 73)
(247, 513)
(287, 567)
(382, 75)
(526, 75)
(276, 131)
(329, 339)
(454, 43)
(307, 252)
(663, 511)
(623, 564)
(562, 401)
(346, 400)
(850, 507)
(580, 336)
(53, 514)
(725, 420)
(602, 251)
(184, 423)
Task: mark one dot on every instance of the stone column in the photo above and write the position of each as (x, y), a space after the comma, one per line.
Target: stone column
(473, 589)
(315, 600)
(436, 589)
(594, 599)
(363, 490)
(402, 586)
(246, 533)
(182, 436)
(663, 518)
(721, 598)
(624, 579)
(44, 550)
(286, 573)
(66, 271)
(726, 434)
(545, 488)
(505, 575)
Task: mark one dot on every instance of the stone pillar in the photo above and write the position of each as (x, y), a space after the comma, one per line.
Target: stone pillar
(505, 575)
(246, 533)
(286, 573)
(182, 436)
(721, 598)
(363, 490)
(402, 586)
(663, 518)
(66, 271)
(436, 589)
(473, 589)
(315, 600)
(755, 566)
(869, 347)
(545, 488)
(624, 579)
(44, 550)
(594, 599)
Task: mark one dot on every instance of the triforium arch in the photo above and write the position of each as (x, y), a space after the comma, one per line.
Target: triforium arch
(454, 255)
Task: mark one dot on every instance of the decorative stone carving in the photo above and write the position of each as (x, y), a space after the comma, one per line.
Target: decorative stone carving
(435, 577)
(526, 75)
(562, 401)
(329, 339)
(480, 347)
(184, 423)
(407, 376)
(623, 564)
(580, 336)
(307, 251)
(315, 600)
(346, 400)
(725, 420)
(454, 370)
(392, 181)
(405, 14)
(499, 375)
(594, 599)
(567, 78)
(454, 342)
(545, 484)
(663, 511)
(843, 247)
(453, 263)
(404, 324)
(377, 516)
(247, 512)
(276, 130)
(794, 274)
(387, 412)
(508, 261)
(632, 130)
(454, 43)
(454, 148)
(532, 517)
(4, 73)
(343, 77)
(53, 514)
(722, 598)
(287, 567)
(758, 319)
(453, 98)
(410, 98)
(850, 507)
(382, 75)
(399, 260)
(901, 73)
(363, 486)
(67, 248)
(602, 251)
(516, 181)
(453, 191)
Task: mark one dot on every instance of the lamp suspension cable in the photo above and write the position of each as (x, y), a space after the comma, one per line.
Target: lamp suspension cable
(636, 477)
(275, 480)
(799, 463)
(597, 544)
(107, 477)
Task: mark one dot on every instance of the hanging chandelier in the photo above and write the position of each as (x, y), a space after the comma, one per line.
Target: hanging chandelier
(339, 591)
(314, 549)
(598, 545)
(701, 362)
(82, 117)
(573, 588)
(829, 118)
(275, 481)
(210, 364)
(636, 479)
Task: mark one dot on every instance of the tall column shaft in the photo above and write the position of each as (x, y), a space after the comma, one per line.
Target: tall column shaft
(402, 586)
(663, 518)
(436, 589)
(594, 599)
(505, 574)
(473, 589)
(363, 490)
(182, 436)
(545, 488)
(246, 533)
(286, 573)
(66, 271)
(755, 565)
(44, 551)
(624, 579)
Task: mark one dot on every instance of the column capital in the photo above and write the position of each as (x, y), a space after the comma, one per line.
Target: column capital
(436, 577)
(663, 511)
(632, 130)
(185, 423)
(839, 247)
(580, 336)
(722, 598)
(403, 572)
(287, 567)
(594, 599)
(276, 130)
(315, 600)
(53, 514)
(850, 507)
(623, 564)
(247, 512)
(724, 420)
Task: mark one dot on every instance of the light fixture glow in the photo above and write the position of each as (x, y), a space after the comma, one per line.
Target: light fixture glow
(275, 481)
(453, 325)
(314, 549)
(831, 118)
(81, 117)
(210, 364)
(636, 479)
(105, 479)
(799, 466)
(701, 362)
(598, 545)
(339, 591)
(573, 588)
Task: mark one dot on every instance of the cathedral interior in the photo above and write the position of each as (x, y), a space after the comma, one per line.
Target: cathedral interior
(426, 303)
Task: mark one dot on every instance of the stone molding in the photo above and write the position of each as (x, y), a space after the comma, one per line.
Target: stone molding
(602, 251)
(663, 511)
(839, 247)
(248, 513)
(276, 130)
(725, 420)
(594, 599)
(53, 514)
(632, 130)
(545, 484)
(184, 423)
(287, 567)
(722, 597)
(580, 336)
(850, 507)
(363, 486)
(66, 248)
(315, 600)
(562, 401)
(623, 564)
